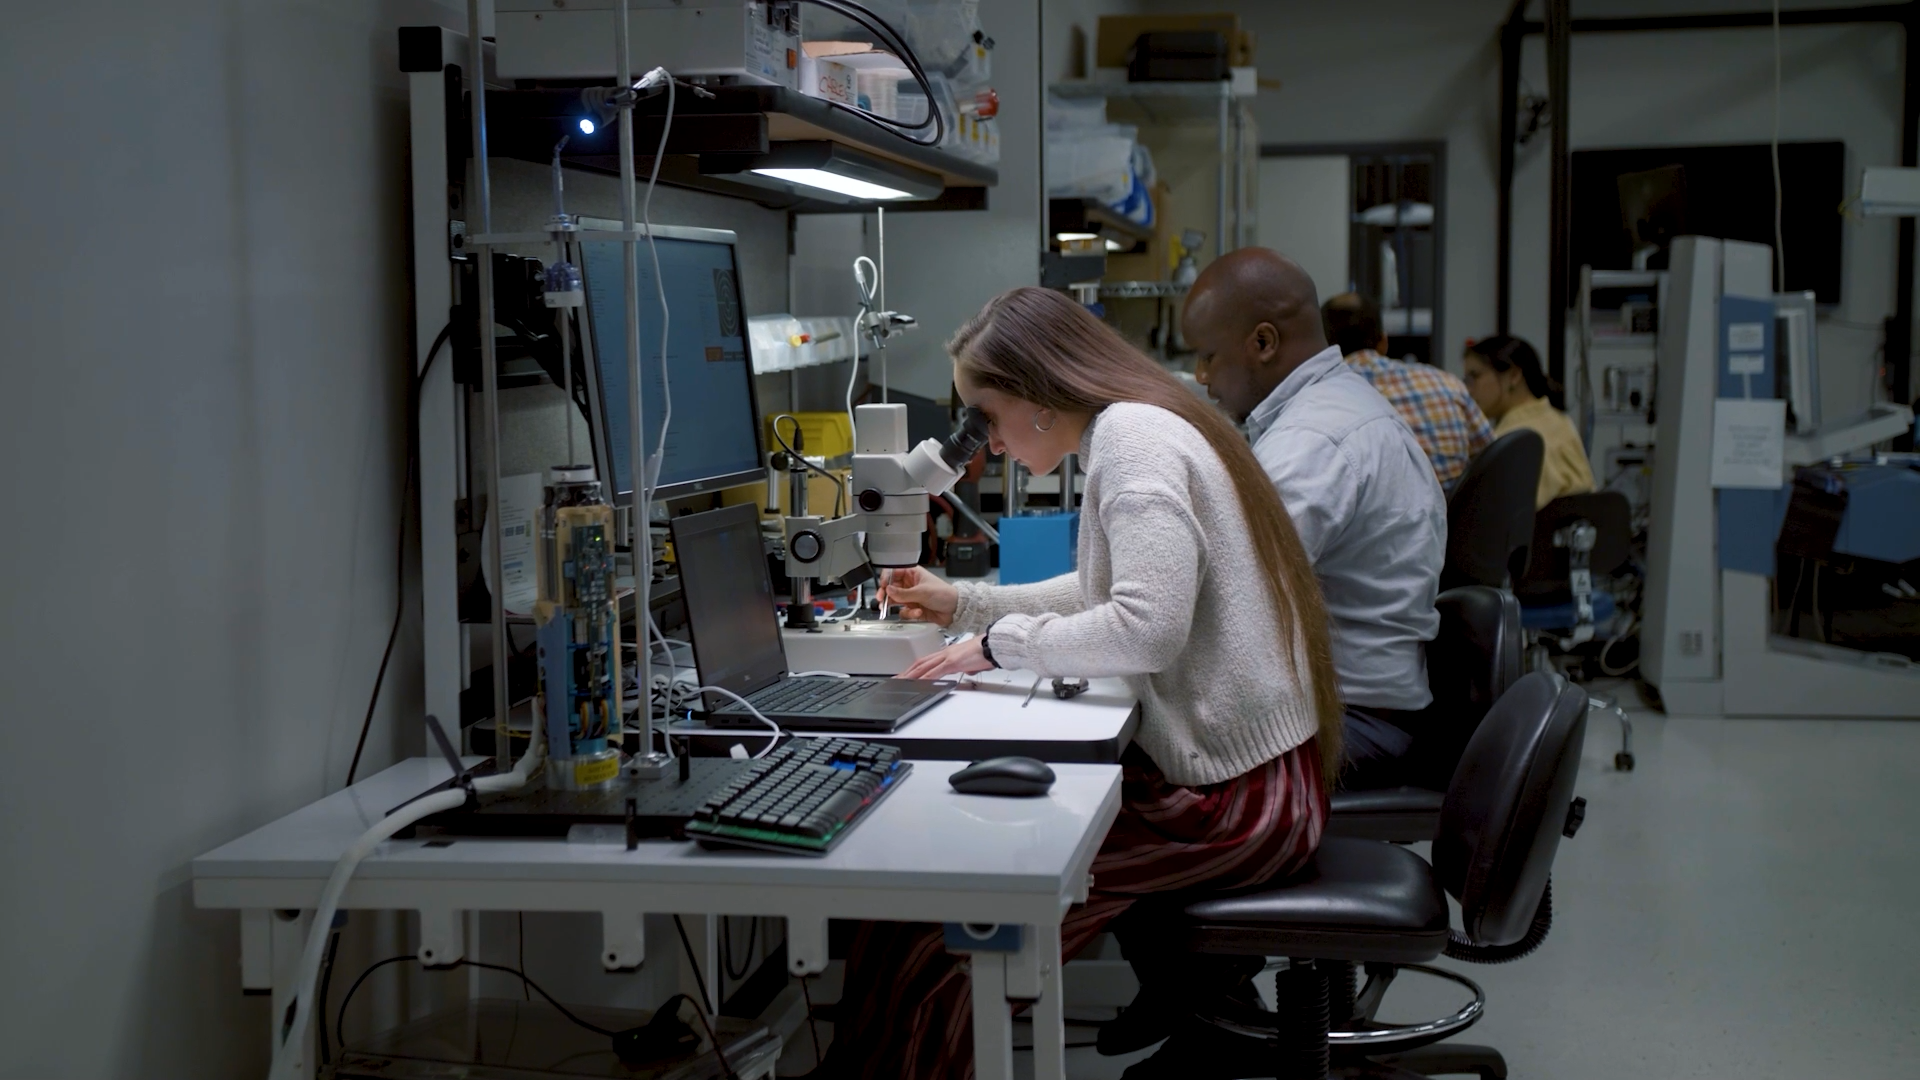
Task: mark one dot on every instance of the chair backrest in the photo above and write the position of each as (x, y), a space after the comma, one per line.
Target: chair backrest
(1490, 515)
(1501, 822)
(1477, 654)
(1612, 519)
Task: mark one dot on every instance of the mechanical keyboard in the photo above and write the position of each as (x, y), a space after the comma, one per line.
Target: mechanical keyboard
(804, 797)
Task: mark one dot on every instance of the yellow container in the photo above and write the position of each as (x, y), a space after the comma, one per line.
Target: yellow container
(823, 434)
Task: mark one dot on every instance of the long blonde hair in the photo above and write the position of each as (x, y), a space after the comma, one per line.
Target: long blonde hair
(1040, 346)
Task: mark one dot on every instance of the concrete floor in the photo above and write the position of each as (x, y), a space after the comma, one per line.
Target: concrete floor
(1745, 903)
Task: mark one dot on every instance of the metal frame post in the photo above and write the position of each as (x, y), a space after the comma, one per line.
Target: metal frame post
(1899, 334)
(489, 384)
(1559, 42)
(438, 178)
(1512, 33)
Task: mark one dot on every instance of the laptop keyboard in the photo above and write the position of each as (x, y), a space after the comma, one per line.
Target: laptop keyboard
(806, 697)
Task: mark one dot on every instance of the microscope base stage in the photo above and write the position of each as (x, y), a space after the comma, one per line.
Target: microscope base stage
(861, 647)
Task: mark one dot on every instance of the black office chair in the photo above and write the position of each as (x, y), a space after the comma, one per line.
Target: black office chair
(1574, 538)
(1490, 515)
(1471, 662)
(1362, 902)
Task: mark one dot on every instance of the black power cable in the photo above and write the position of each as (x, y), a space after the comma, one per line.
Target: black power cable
(813, 1028)
(726, 949)
(839, 486)
(700, 1006)
(340, 1017)
(400, 574)
(891, 38)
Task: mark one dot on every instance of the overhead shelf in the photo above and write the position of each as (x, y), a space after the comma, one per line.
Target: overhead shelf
(736, 122)
(1093, 216)
(1155, 102)
(1139, 290)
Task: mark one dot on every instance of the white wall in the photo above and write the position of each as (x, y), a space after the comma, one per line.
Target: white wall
(942, 266)
(1704, 87)
(1304, 206)
(208, 344)
(1403, 70)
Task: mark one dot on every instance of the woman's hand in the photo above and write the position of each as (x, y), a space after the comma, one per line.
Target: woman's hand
(960, 658)
(922, 597)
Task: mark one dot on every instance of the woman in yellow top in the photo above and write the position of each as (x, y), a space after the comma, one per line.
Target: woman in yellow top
(1503, 374)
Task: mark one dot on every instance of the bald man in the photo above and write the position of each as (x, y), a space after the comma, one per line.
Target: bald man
(1359, 489)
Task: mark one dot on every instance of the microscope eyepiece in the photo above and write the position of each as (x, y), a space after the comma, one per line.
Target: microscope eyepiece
(966, 440)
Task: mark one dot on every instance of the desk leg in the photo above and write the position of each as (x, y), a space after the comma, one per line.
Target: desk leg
(289, 935)
(1050, 1011)
(703, 935)
(992, 1020)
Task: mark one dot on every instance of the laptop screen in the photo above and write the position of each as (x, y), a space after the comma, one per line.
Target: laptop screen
(729, 597)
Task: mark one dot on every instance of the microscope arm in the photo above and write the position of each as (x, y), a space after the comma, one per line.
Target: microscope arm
(825, 550)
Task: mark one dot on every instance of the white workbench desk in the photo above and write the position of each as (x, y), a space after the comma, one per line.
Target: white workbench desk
(925, 854)
(992, 717)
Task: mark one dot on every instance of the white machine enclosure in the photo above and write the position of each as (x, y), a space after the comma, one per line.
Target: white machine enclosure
(1706, 636)
(749, 41)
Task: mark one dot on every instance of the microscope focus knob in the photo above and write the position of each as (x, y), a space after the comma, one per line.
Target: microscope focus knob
(871, 500)
(806, 545)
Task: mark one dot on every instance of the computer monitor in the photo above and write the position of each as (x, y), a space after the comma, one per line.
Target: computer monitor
(713, 440)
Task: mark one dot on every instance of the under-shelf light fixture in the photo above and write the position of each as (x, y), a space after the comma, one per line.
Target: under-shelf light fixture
(827, 167)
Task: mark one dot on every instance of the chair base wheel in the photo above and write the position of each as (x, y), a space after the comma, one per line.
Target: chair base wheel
(1623, 761)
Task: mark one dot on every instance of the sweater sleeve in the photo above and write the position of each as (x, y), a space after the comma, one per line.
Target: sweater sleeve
(1157, 552)
(982, 605)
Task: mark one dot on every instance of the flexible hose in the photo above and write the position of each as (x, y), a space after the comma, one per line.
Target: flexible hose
(287, 1052)
(1460, 947)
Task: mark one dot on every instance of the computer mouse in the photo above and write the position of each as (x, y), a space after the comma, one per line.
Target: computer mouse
(1012, 777)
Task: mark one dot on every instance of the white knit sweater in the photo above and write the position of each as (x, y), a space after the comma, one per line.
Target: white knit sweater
(1170, 596)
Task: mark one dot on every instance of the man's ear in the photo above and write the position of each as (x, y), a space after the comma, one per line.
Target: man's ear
(1264, 342)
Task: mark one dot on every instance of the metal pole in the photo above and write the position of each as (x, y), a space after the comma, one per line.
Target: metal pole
(1511, 36)
(800, 609)
(1559, 38)
(489, 388)
(639, 534)
(880, 216)
(1220, 194)
(1900, 328)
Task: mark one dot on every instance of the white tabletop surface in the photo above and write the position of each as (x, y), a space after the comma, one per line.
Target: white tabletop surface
(923, 835)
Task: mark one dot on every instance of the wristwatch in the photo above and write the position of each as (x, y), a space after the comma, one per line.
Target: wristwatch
(986, 649)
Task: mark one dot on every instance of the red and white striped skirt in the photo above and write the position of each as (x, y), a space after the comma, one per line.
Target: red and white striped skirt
(907, 1013)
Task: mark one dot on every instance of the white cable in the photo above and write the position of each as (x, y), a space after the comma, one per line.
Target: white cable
(866, 289)
(287, 1053)
(1779, 197)
(758, 715)
(821, 674)
(646, 482)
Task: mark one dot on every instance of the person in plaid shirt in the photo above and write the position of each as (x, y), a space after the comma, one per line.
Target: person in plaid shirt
(1443, 416)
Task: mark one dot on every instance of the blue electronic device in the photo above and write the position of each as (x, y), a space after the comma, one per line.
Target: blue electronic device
(1038, 545)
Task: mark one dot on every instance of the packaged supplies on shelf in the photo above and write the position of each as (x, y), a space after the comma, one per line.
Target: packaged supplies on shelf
(1095, 163)
(784, 343)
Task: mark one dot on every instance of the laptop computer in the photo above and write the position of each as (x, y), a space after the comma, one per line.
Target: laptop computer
(737, 643)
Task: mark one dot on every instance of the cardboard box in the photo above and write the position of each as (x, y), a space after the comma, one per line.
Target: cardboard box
(1156, 262)
(1117, 34)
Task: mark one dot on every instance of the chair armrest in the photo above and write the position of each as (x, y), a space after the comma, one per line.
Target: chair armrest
(1398, 815)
